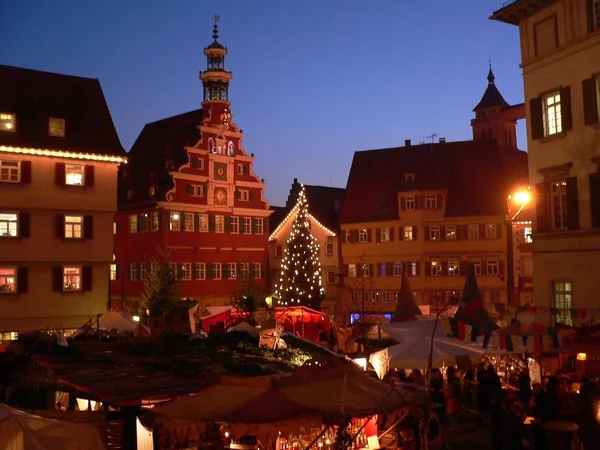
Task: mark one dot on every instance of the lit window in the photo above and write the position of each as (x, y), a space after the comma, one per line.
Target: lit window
(256, 267)
(453, 267)
(474, 231)
(398, 269)
(527, 232)
(492, 267)
(155, 222)
(413, 269)
(329, 248)
(8, 280)
(72, 278)
(246, 225)
(362, 236)
(409, 203)
(56, 127)
(73, 227)
(143, 223)
(476, 266)
(217, 271)
(74, 174)
(245, 268)
(259, 226)
(366, 270)
(186, 271)
(203, 223)
(10, 171)
(451, 233)
(491, 231)
(436, 268)
(552, 114)
(430, 201)
(562, 299)
(113, 272)
(8, 122)
(8, 225)
(9, 336)
(201, 270)
(219, 224)
(385, 235)
(434, 233)
(234, 225)
(133, 223)
(174, 220)
(231, 271)
(134, 272)
(188, 221)
(559, 205)
(352, 270)
(408, 234)
(331, 277)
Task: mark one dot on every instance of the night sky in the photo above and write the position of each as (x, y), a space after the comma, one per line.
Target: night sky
(313, 80)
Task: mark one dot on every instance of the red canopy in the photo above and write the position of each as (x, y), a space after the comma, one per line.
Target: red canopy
(304, 322)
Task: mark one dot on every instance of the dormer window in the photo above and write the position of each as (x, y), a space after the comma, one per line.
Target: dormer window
(56, 127)
(409, 177)
(8, 122)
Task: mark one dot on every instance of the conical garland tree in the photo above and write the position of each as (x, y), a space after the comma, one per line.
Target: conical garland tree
(300, 280)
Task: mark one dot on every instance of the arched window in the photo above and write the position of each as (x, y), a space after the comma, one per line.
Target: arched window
(230, 148)
(211, 145)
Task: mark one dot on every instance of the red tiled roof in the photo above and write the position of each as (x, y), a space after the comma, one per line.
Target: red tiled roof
(158, 142)
(35, 96)
(477, 175)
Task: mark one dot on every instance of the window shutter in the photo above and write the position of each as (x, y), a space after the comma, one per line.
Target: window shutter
(354, 236)
(88, 227)
(572, 204)
(536, 118)
(542, 206)
(501, 267)
(209, 271)
(24, 225)
(238, 268)
(345, 270)
(250, 195)
(590, 102)
(118, 226)
(189, 189)
(400, 233)
(415, 234)
(59, 225)
(427, 234)
(590, 15)
(370, 270)
(57, 278)
(60, 174)
(418, 201)
(129, 271)
(211, 223)
(118, 271)
(442, 232)
(225, 271)
(88, 175)
(428, 268)
(379, 271)
(86, 278)
(237, 194)
(565, 105)
(459, 232)
(391, 234)
(369, 238)
(253, 225)
(378, 234)
(195, 271)
(444, 268)
(25, 172)
(227, 224)
(158, 220)
(22, 280)
(418, 267)
(482, 231)
(595, 199)
(402, 203)
(196, 222)
(440, 201)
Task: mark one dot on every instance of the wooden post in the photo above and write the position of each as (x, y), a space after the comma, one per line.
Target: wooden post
(129, 439)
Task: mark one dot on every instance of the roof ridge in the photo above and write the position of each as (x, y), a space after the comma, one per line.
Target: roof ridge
(48, 72)
(173, 117)
(425, 144)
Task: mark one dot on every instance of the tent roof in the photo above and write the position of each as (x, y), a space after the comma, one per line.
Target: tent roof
(406, 308)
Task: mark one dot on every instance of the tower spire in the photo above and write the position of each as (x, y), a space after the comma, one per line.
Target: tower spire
(216, 28)
(215, 78)
(491, 76)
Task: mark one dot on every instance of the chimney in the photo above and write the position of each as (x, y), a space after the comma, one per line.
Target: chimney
(407, 143)
(442, 140)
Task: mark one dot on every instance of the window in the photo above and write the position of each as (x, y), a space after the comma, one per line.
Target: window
(143, 223)
(409, 203)
(385, 297)
(409, 178)
(491, 231)
(231, 271)
(527, 232)
(201, 270)
(113, 272)
(256, 268)
(562, 299)
(186, 271)
(451, 233)
(385, 235)
(329, 248)
(200, 192)
(244, 195)
(234, 225)
(155, 221)
(352, 270)
(436, 268)
(474, 231)
(434, 233)
(115, 228)
(527, 262)
(245, 268)
(219, 224)
(413, 269)
(203, 223)
(240, 169)
(72, 278)
(366, 270)
(134, 274)
(430, 201)
(56, 127)
(398, 269)
(188, 221)
(492, 267)
(331, 277)
(258, 226)
(174, 221)
(8, 122)
(558, 193)
(408, 234)
(362, 236)
(74, 174)
(8, 225)
(9, 336)
(453, 267)
(217, 275)
(246, 225)
(133, 221)
(10, 171)
(73, 227)
(552, 113)
(8, 280)
(347, 236)
(477, 266)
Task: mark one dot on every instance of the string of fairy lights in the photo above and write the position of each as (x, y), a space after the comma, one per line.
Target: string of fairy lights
(300, 281)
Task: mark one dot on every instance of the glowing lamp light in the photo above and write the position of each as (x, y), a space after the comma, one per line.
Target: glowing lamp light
(136, 318)
(522, 197)
(362, 362)
(581, 356)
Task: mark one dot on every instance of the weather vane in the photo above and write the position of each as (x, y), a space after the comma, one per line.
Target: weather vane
(217, 19)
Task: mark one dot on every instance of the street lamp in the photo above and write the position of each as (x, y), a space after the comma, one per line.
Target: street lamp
(520, 199)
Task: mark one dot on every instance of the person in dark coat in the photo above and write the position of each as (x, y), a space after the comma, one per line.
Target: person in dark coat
(514, 431)
(496, 420)
(525, 389)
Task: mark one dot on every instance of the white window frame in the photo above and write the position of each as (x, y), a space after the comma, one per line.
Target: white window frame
(75, 174)
(347, 236)
(437, 269)
(453, 267)
(351, 270)
(410, 203)
(188, 221)
(8, 122)
(328, 248)
(259, 226)
(219, 224)
(362, 236)
(217, 271)
(398, 268)
(174, 221)
(430, 201)
(201, 270)
(56, 127)
(244, 195)
(203, 223)
(385, 297)
(8, 279)
(113, 272)
(234, 225)
(9, 228)
(385, 234)
(492, 267)
(10, 171)
(474, 231)
(186, 271)
(245, 268)
(476, 266)
(246, 225)
(73, 227)
(330, 277)
(132, 223)
(562, 299)
(256, 270)
(9, 336)
(450, 232)
(366, 270)
(527, 234)
(491, 231)
(408, 233)
(134, 272)
(435, 233)
(552, 112)
(231, 271)
(559, 206)
(75, 278)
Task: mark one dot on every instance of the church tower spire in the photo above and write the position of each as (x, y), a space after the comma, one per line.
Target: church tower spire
(215, 79)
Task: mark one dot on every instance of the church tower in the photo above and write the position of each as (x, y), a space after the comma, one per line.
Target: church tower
(495, 118)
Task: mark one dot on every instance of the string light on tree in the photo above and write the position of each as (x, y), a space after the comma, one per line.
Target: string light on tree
(300, 280)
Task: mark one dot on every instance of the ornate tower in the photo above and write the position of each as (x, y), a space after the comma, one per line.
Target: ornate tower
(495, 118)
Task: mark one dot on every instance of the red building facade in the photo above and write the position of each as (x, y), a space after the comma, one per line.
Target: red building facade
(190, 196)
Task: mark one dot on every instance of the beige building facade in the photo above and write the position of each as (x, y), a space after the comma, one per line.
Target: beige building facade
(560, 52)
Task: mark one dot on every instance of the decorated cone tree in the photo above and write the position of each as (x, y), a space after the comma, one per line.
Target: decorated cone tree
(300, 280)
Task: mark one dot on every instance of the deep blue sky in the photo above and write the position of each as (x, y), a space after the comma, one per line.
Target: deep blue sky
(313, 80)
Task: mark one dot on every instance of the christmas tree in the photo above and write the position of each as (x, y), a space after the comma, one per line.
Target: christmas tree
(300, 280)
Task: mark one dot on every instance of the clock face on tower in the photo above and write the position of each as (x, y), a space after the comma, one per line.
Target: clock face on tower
(220, 197)
(220, 171)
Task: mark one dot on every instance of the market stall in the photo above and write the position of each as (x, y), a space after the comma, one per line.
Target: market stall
(304, 322)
